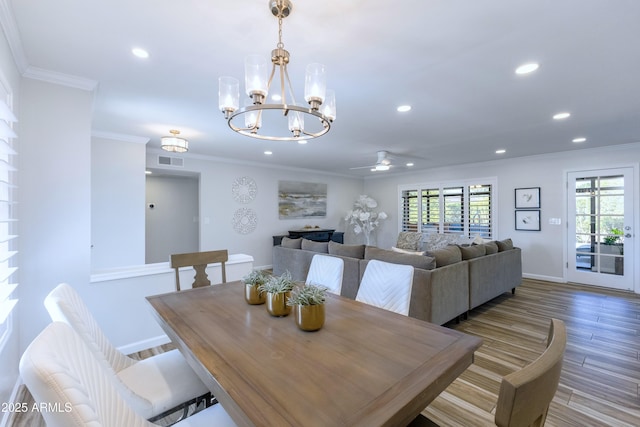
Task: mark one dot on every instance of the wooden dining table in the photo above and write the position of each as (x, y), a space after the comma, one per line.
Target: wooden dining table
(365, 367)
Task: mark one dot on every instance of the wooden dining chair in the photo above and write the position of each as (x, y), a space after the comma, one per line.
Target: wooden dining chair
(199, 261)
(525, 395)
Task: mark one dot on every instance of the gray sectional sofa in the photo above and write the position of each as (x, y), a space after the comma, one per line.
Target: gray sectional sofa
(447, 282)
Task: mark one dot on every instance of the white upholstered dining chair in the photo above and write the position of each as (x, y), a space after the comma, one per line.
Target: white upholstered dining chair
(387, 286)
(61, 372)
(326, 271)
(153, 387)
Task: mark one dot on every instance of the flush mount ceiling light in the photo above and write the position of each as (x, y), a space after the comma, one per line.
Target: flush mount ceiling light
(140, 53)
(173, 143)
(561, 116)
(579, 140)
(287, 121)
(527, 68)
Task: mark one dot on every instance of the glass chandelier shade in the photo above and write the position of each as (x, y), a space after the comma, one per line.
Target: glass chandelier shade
(285, 121)
(174, 143)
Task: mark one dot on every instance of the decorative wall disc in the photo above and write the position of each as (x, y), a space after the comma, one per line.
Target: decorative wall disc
(244, 189)
(245, 220)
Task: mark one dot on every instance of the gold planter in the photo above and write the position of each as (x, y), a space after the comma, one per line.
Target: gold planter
(277, 304)
(309, 317)
(253, 296)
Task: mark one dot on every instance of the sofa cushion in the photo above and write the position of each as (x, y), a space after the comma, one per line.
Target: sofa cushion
(491, 248)
(447, 255)
(351, 251)
(504, 245)
(417, 261)
(435, 241)
(310, 245)
(291, 243)
(409, 240)
(473, 251)
(406, 251)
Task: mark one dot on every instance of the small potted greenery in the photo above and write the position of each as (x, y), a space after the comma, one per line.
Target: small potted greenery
(278, 289)
(308, 306)
(252, 282)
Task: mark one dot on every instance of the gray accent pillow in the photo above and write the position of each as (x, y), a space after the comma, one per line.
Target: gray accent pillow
(291, 243)
(417, 261)
(447, 255)
(491, 247)
(473, 251)
(504, 245)
(310, 245)
(351, 251)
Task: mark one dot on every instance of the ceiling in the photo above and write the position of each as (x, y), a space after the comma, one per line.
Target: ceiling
(453, 61)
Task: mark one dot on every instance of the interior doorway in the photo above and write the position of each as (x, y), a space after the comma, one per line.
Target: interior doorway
(172, 222)
(600, 227)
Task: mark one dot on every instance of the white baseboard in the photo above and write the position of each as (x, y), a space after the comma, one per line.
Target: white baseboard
(143, 345)
(544, 278)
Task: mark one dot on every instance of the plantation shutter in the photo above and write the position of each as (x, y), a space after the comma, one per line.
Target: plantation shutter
(409, 210)
(7, 219)
(480, 211)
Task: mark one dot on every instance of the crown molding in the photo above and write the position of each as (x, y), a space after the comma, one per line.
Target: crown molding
(10, 28)
(120, 137)
(60, 78)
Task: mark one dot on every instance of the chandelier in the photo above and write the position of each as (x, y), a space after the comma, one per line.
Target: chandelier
(288, 120)
(174, 143)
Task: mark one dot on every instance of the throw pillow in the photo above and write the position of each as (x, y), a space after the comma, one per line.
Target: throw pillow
(291, 243)
(504, 245)
(351, 251)
(491, 247)
(310, 245)
(475, 251)
(445, 256)
(417, 261)
(409, 240)
(406, 251)
(438, 241)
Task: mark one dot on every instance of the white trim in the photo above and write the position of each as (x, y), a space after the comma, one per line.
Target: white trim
(153, 269)
(544, 278)
(10, 27)
(63, 79)
(120, 137)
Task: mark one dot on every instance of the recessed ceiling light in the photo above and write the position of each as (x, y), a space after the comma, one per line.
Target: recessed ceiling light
(276, 97)
(140, 53)
(501, 151)
(561, 116)
(581, 139)
(404, 108)
(527, 68)
(148, 172)
(302, 141)
(409, 164)
(268, 153)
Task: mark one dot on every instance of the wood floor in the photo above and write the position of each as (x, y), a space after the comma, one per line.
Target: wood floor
(600, 382)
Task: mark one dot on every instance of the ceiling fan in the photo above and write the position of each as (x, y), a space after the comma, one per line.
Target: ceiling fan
(382, 164)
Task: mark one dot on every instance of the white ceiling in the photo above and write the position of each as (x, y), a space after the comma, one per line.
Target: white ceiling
(452, 60)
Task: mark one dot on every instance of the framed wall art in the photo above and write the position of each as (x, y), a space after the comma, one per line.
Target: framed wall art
(528, 198)
(528, 220)
(302, 199)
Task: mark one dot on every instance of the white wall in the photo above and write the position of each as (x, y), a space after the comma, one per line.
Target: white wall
(10, 353)
(217, 205)
(55, 196)
(543, 252)
(117, 203)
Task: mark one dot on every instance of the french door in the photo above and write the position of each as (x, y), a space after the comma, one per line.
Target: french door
(600, 228)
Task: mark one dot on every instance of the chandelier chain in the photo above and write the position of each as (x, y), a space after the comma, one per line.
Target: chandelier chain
(280, 45)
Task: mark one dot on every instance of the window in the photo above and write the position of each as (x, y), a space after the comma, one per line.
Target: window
(7, 219)
(460, 208)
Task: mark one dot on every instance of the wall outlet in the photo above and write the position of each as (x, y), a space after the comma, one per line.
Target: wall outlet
(555, 221)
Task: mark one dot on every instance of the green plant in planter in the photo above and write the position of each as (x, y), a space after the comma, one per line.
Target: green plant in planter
(255, 278)
(308, 295)
(612, 240)
(278, 284)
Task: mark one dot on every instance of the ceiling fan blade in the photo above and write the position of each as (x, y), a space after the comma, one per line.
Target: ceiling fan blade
(364, 167)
